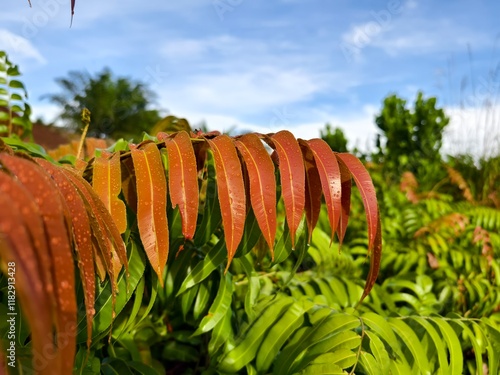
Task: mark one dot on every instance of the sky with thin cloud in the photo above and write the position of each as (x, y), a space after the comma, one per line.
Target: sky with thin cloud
(269, 65)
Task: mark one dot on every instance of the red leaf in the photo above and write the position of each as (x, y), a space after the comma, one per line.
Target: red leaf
(346, 201)
(83, 238)
(152, 205)
(367, 190)
(183, 181)
(292, 173)
(231, 189)
(41, 187)
(329, 173)
(313, 188)
(106, 182)
(375, 262)
(262, 185)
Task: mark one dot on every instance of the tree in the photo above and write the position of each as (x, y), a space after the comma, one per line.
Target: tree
(335, 139)
(411, 139)
(119, 106)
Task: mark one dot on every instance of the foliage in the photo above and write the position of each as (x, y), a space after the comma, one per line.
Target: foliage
(14, 109)
(411, 138)
(125, 213)
(335, 138)
(119, 106)
(148, 228)
(481, 178)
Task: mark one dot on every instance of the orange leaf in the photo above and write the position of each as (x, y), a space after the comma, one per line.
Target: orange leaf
(41, 187)
(291, 165)
(101, 215)
(262, 185)
(329, 173)
(129, 185)
(152, 205)
(106, 182)
(83, 238)
(231, 190)
(103, 230)
(367, 190)
(313, 188)
(183, 181)
(19, 227)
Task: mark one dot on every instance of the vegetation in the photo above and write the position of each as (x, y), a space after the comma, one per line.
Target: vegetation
(186, 264)
(335, 138)
(14, 110)
(411, 139)
(119, 107)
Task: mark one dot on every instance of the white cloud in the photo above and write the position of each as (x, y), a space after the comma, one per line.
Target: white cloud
(19, 48)
(47, 112)
(474, 130)
(245, 92)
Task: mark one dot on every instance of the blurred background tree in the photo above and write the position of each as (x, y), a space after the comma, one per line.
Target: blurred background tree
(120, 107)
(411, 139)
(335, 138)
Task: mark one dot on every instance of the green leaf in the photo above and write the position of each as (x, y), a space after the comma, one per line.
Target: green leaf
(453, 344)
(253, 287)
(103, 304)
(291, 320)
(16, 84)
(13, 71)
(325, 324)
(438, 344)
(412, 342)
(369, 364)
(247, 347)
(221, 334)
(202, 299)
(379, 352)
(221, 304)
(203, 269)
(212, 217)
(32, 148)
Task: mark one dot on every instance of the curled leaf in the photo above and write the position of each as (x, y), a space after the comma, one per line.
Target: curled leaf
(367, 190)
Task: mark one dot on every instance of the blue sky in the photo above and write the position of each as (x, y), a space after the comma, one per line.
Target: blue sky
(268, 65)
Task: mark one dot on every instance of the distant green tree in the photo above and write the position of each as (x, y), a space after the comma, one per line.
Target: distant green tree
(335, 138)
(119, 106)
(411, 139)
